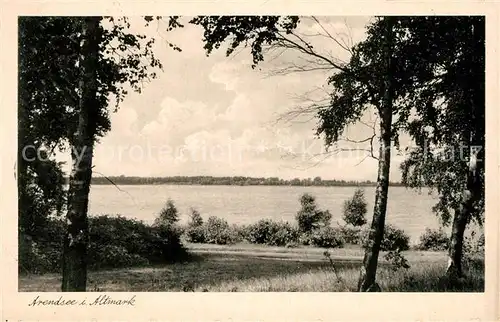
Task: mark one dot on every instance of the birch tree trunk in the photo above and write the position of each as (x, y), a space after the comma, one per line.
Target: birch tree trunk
(369, 268)
(455, 251)
(76, 240)
(463, 214)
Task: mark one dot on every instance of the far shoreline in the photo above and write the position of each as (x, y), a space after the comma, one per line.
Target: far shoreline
(239, 181)
(236, 185)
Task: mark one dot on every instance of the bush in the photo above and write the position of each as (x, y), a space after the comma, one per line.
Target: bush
(217, 231)
(42, 253)
(327, 237)
(285, 235)
(114, 256)
(38, 258)
(113, 242)
(214, 231)
(351, 235)
(271, 233)
(305, 239)
(397, 260)
(363, 236)
(473, 256)
(239, 233)
(309, 217)
(394, 239)
(261, 231)
(480, 243)
(195, 234)
(474, 244)
(354, 209)
(137, 242)
(436, 240)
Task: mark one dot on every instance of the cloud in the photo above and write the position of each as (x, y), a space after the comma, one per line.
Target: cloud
(151, 128)
(177, 119)
(217, 116)
(225, 73)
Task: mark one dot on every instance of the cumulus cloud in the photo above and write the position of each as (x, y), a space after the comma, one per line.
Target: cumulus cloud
(176, 120)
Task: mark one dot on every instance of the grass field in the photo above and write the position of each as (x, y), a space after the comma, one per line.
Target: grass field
(253, 268)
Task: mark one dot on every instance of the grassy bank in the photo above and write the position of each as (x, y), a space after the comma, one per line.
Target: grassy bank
(119, 242)
(129, 255)
(256, 268)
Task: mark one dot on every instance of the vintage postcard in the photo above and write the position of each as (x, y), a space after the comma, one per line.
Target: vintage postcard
(265, 161)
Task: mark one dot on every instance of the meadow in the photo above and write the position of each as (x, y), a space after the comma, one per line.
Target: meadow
(258, 268)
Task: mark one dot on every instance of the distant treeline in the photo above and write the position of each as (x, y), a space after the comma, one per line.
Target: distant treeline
(230, 181)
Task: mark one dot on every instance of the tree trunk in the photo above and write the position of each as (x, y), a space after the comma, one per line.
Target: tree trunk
(473, 186)
(462, 216)
(455, 252)
(21, 165)
(370, 261)
(76, 240)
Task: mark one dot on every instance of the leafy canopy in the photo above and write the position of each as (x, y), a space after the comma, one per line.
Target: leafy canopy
(49, 74)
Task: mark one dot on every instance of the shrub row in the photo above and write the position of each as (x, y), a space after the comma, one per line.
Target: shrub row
(265, 231)
(113, 242)
(274, 233)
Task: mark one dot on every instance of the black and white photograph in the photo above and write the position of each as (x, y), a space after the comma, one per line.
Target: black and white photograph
(251, 153)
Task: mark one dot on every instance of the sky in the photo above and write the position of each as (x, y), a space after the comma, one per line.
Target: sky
(217, 116)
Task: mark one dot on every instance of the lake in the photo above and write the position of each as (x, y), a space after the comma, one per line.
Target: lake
(407, 209)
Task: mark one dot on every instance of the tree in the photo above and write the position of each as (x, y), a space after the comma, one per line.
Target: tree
(317, 181)
(449, 129)
(82, 148)
(309, 217)
(355, 90)
(195, 218)
(436, 102)
(438, 98)
(169, 215)
(40, 179)
(78, 66)
(354, 209)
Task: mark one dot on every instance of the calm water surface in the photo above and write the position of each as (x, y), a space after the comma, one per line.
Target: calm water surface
(406, 209)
